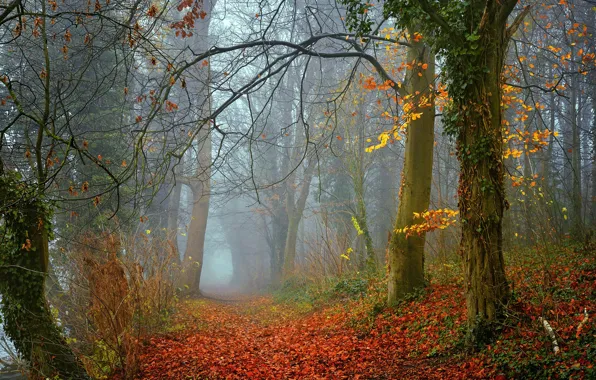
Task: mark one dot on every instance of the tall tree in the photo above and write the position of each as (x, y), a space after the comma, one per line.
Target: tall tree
(200, 167)
(472, 38)
(406, 251)
(295, 204)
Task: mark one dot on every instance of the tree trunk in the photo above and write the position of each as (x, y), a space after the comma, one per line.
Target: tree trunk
(593, 200)
(358, 170)
(295, 212)
(174, 210)
(27, 319)
(240, 267)
(481, 187)
(577, 226)
(369, 259)
(195, 245)
(290, 248)
(201, 187)
(277, 160)
(528, 208)
(548, 152)
(278, 244)
(200, 184)
(406, 254)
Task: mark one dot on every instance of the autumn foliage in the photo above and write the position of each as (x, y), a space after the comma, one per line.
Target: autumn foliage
(118, 298)
(350, 334)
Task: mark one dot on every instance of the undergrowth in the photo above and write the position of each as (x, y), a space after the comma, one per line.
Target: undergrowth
(553, 283)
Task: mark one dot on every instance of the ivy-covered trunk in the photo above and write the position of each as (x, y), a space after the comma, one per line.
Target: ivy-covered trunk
(406, 253)
(478, 115)
(24, 256)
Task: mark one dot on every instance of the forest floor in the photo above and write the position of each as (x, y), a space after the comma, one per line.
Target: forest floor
(352, 335)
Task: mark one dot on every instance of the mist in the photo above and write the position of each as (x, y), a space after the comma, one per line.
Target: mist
(309, 189)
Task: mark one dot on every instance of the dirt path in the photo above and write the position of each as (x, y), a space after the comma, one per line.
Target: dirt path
(257, 339)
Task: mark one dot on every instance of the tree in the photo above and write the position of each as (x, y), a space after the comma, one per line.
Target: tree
(406, 251)
(35, 145)
(199, 182)
(296, 199)
(472, 38)
(51, 155)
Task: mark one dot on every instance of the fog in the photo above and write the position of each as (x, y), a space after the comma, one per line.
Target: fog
(156, 154)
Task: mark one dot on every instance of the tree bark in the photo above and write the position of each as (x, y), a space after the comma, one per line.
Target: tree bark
(279, 232)
(528, 208)
(406, 254)
(197, 229)
(369, 259)
(290, 248)
(295, 207)
(481, 186)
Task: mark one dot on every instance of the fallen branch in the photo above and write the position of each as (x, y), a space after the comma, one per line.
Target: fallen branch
(551, 334)
(582, 323)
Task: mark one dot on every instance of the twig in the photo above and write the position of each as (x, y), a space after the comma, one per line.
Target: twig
(551, 334)
(582, 323)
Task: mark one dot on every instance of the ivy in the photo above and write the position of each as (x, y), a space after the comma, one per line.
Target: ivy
(478, 151)
(21, 210)
(25, 229)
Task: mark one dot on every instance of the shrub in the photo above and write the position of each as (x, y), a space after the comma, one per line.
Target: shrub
(120, 290)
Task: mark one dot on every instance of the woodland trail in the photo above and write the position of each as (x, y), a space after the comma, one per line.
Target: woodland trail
(254, 338)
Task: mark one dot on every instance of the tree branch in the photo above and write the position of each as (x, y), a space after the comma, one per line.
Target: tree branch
(517, 22)
(302, 48)
(9, 9)
(432, 13)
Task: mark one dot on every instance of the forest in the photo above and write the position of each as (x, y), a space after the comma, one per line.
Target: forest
(306, 189)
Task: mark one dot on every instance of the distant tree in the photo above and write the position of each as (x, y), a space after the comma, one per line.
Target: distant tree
(197, 86)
